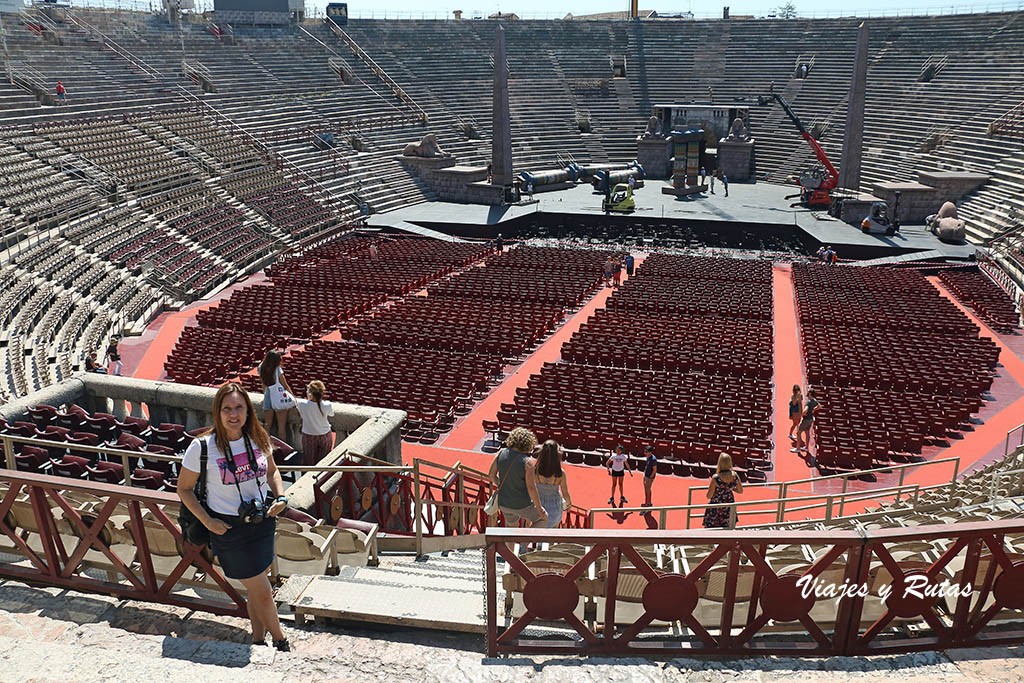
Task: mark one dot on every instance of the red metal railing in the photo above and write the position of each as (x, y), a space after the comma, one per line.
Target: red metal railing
(745, 592)
(423, 499)
(42, 516)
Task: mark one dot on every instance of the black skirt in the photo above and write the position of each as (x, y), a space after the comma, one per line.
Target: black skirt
(244, 550)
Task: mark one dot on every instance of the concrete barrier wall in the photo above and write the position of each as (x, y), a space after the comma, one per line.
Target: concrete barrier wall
(360, 430)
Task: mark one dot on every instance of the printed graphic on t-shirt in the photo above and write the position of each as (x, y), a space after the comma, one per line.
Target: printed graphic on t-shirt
(243, 471)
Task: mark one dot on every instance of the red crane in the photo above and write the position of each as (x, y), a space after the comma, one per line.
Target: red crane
(815, 186)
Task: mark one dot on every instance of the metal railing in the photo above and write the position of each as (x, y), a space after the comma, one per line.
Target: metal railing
(1010, 123)
(421, 500)
(832, 505)
(378, 70)
(27, 506)
(755, 593)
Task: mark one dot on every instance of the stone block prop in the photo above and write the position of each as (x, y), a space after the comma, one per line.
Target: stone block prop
(734, 159)
(917, 201)
(655, 155)
(454, 183)
(952, 186)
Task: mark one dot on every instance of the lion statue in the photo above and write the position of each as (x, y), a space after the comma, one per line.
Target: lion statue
(653, 128)
(946, 225)
(738, 130)
(427, 148)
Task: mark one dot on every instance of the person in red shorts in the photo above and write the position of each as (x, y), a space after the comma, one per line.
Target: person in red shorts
(616, 272)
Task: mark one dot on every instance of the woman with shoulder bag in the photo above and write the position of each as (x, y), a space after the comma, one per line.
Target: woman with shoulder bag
(278, 398)
(244, 495)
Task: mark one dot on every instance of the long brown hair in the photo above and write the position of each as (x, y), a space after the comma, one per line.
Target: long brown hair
(257, 434)
(549, 460)
(268, 368)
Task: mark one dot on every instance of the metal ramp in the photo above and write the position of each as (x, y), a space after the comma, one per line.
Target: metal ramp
(440, 592)
(929, 255)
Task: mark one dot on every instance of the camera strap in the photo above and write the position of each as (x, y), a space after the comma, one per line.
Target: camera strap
(251, 455)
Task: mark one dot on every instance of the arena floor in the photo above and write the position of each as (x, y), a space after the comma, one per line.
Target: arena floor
(144, 357)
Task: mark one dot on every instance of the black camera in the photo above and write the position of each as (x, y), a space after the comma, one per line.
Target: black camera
(252, 512)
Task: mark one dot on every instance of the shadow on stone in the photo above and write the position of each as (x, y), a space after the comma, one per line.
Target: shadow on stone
(217, 653)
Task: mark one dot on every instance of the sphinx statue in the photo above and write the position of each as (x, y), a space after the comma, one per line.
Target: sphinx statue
(425, 148)
(738, 131)
(653, 129)
(946, 225)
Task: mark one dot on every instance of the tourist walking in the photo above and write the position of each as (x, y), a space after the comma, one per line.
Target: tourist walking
(552, 487)
(608, 266)
(278, 398)
(244, 496)
(513, 473)
(616, 272)
(703, 175)
(630, 262)
(650, 472)
(617, 465)
(803, 434)
(113, 358)
(317, 436)
(62, 93)
(725, 184)
(712, 182)
(796, 400)
(722, 489)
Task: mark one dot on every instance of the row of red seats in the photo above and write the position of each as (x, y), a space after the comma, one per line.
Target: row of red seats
(207, 356)
(589, 261)
(699, 414)
(894, 363)
(678, 343)
(563, 288)
(459, 324)
(722, 298)
(287, 310)
(707, 268)
(987, 299)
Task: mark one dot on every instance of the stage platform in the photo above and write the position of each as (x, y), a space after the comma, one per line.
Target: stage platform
(755, 206)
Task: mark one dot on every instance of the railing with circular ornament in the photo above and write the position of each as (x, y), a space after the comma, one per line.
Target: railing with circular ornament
(821, 593)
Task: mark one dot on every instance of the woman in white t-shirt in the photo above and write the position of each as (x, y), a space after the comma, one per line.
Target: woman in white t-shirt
(617, 465)
(317, 436)
(245, 547)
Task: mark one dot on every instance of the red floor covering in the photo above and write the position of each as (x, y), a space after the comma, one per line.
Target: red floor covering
(590, 485)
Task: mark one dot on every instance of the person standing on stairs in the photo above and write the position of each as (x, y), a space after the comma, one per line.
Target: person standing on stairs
(113, 358)
(62, 93)
(725, 184)
(552, 487)
(244, 496)
(513, 473)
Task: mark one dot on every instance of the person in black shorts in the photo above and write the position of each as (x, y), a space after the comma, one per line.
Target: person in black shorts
(650, 471)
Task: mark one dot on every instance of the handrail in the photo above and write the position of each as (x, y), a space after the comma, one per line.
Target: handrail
(727, 592)
(784, 487)
(777, 505)
(117, 49)
(368, 61)
(1009, 122)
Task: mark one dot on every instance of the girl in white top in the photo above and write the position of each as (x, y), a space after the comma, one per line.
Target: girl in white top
(617, 465)
(317, 437)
